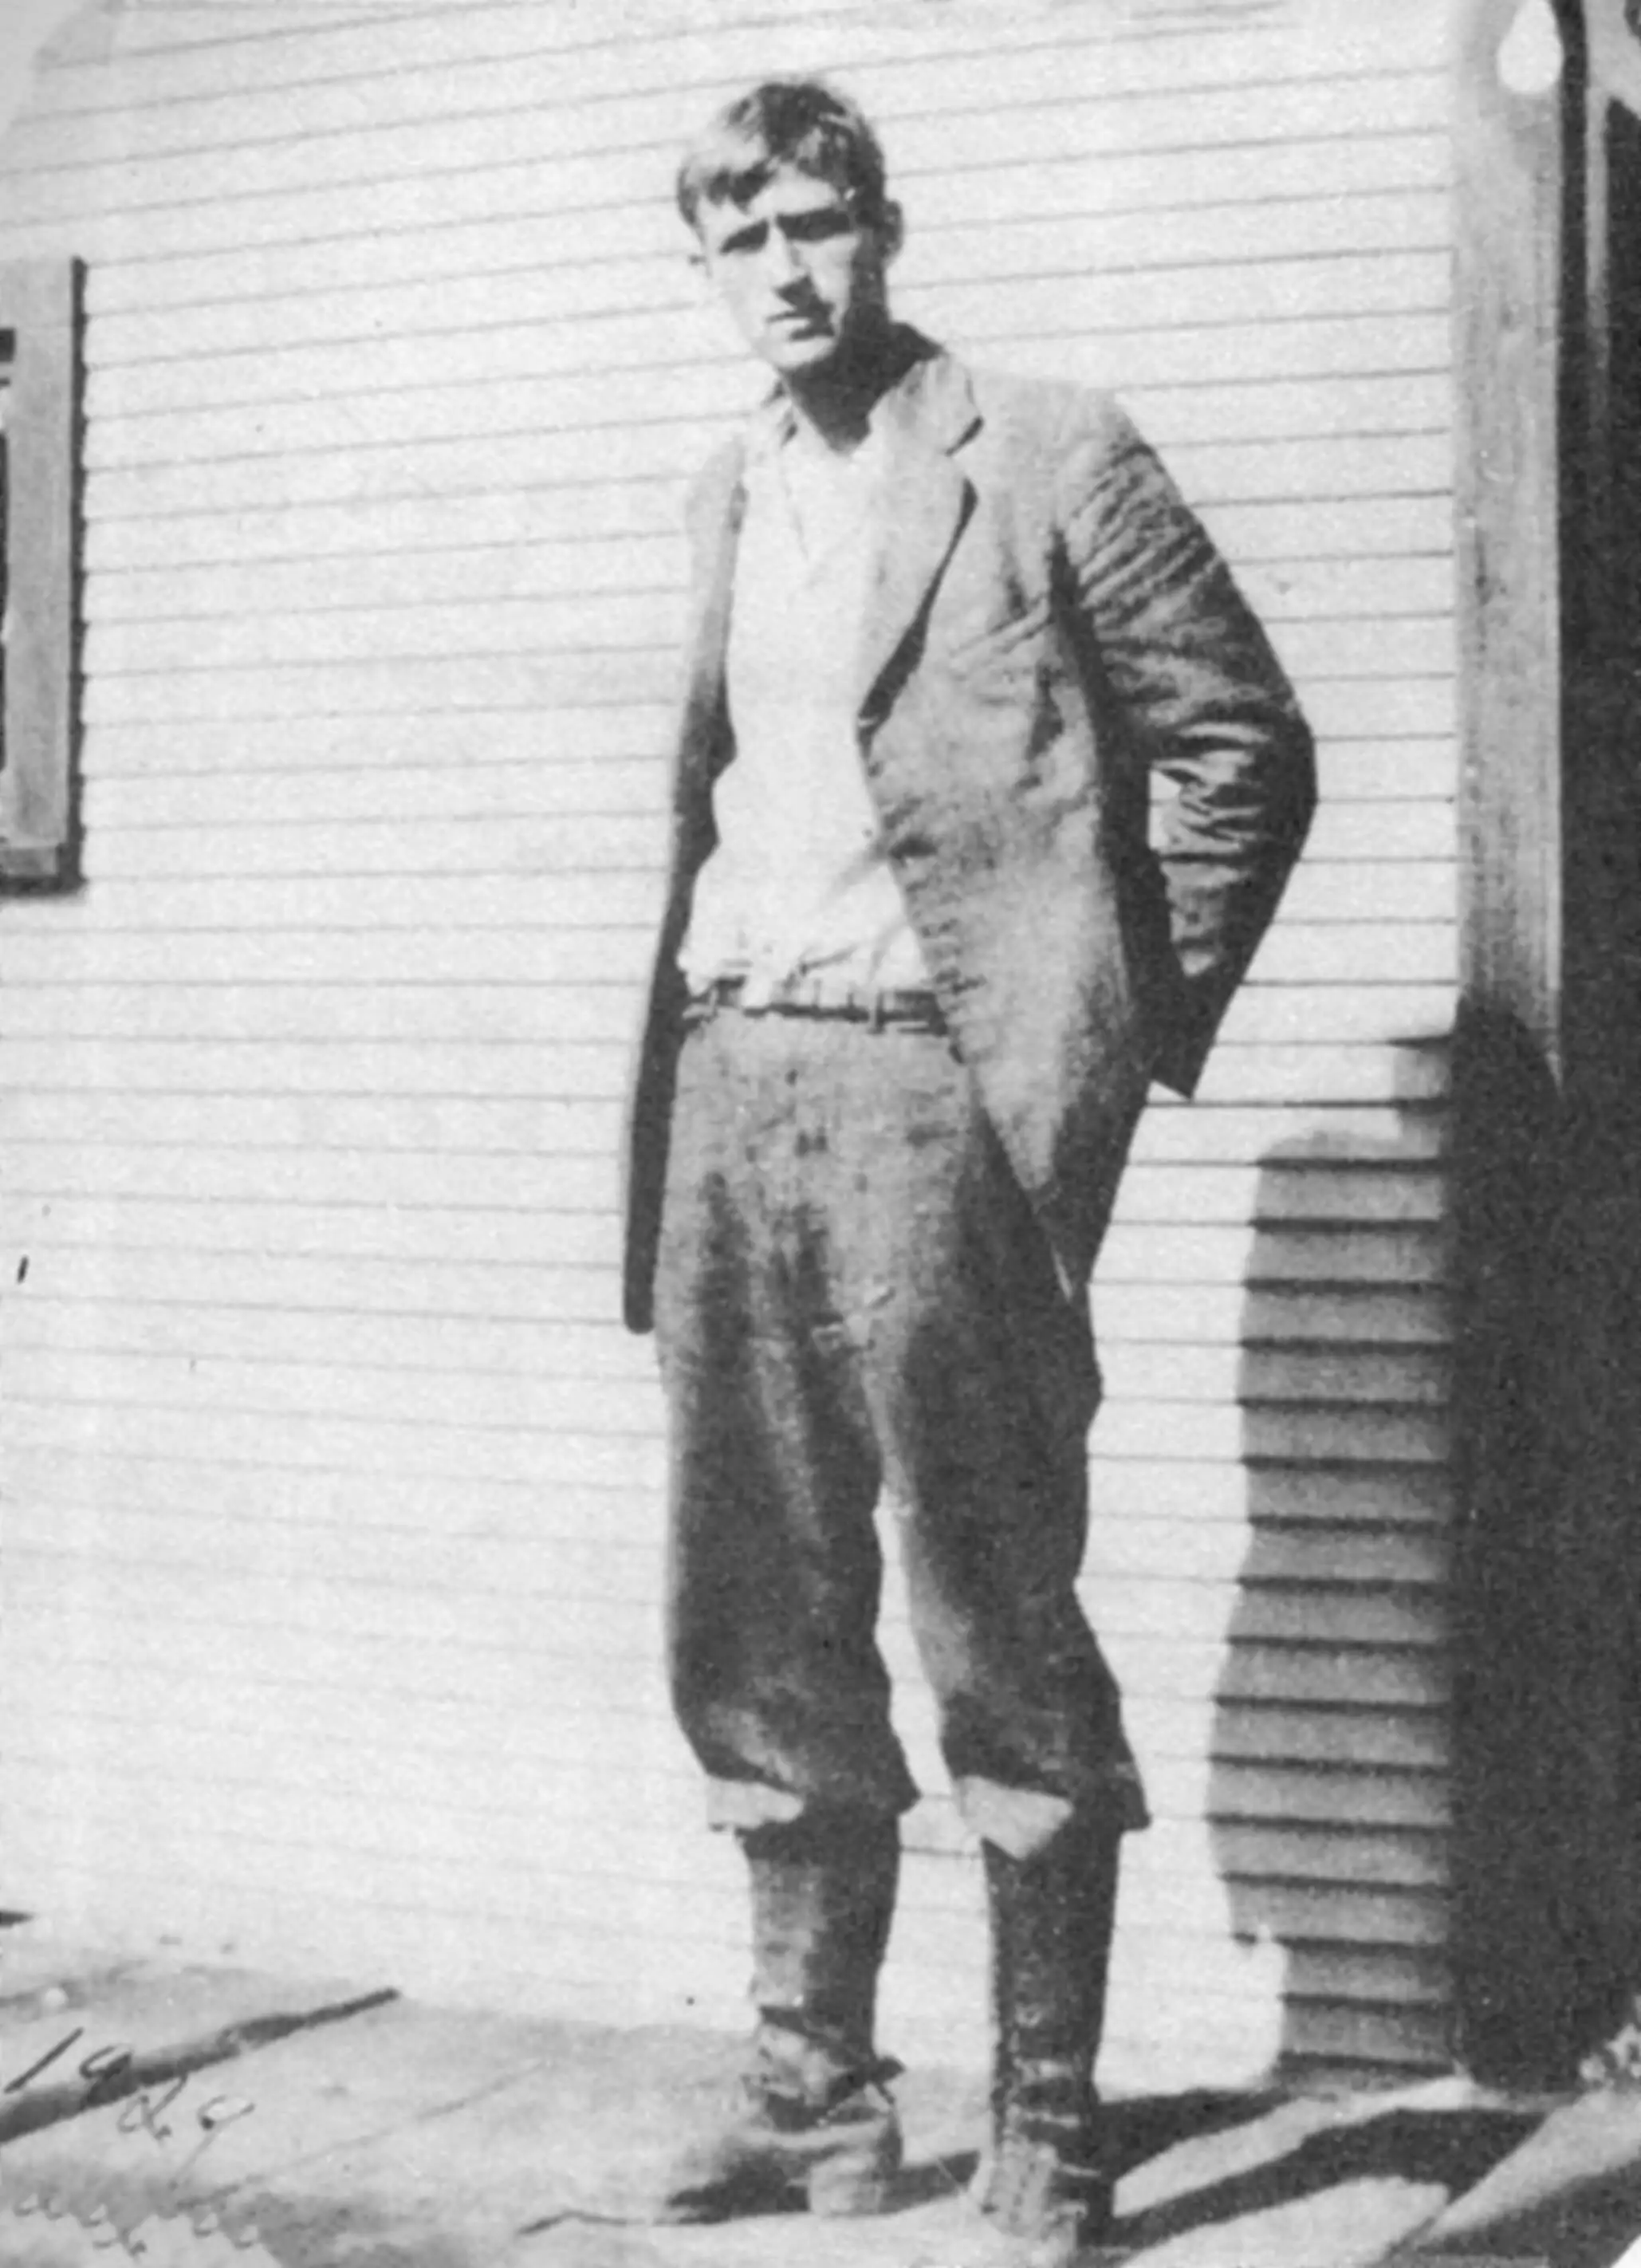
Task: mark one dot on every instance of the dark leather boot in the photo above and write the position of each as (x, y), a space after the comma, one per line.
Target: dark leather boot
(811, 2123)
(1043, 2189)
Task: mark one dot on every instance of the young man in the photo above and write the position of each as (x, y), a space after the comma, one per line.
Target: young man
(917, 968)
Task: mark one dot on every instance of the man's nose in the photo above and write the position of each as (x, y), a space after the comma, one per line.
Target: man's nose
(781, 261)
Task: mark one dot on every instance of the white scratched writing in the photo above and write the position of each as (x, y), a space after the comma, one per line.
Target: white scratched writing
(156, 2111)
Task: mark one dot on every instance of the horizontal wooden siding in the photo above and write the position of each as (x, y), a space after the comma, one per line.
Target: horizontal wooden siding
(334, 1487)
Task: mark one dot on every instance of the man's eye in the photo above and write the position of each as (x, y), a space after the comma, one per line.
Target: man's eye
(817, 230)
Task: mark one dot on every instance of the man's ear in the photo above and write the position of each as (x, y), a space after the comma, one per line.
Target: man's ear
(892, 229)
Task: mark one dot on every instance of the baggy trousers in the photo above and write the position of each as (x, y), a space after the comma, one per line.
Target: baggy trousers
(853, 1296)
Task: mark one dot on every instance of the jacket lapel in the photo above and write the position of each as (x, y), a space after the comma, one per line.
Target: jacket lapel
(716, 514)
(926, 500)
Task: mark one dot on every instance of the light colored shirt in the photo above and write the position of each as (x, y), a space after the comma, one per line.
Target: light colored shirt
(798, 881)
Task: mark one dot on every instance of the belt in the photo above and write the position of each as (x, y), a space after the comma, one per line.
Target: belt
(907, 1007)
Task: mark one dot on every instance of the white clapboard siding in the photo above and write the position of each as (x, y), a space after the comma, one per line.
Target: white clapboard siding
(334, 1489)
(544, 571)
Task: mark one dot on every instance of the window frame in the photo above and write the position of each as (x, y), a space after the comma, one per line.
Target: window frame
(41, 304)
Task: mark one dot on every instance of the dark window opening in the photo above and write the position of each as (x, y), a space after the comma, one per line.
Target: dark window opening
(8, 350)
(39, 609)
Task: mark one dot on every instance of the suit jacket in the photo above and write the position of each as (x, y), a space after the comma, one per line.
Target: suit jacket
(1047, 623)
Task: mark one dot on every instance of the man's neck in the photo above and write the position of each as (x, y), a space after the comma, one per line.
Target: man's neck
(834, 405)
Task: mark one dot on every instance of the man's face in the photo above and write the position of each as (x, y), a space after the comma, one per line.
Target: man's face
(802, 278)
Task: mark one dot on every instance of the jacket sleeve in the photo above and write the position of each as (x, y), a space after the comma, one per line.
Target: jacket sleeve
(1195, 687)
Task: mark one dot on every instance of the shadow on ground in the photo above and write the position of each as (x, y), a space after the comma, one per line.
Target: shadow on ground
(1449, 2151)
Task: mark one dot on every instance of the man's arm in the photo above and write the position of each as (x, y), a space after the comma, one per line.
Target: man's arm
(1194, 682)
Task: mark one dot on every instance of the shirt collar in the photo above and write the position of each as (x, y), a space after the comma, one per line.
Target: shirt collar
(773, 424)
(773, 428)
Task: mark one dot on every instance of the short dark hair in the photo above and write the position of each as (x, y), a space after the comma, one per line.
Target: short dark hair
(785, 122)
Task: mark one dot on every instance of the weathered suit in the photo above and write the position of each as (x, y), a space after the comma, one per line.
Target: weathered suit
(1048, 625)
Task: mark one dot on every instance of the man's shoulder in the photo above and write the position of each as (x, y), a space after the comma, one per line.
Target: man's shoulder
(1055, 412)
(1043, 445)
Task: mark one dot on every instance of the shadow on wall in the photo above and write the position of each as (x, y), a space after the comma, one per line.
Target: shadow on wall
(1425, 1772)
(1327, 1788)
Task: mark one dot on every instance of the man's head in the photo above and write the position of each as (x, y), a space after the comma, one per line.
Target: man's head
(785, 192)
(801, 122)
